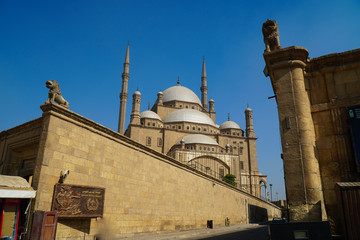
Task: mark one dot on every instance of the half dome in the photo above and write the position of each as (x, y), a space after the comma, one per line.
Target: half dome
(189, 115)
(197, 138)
(229, 124)
(150, 114)
(180, 93)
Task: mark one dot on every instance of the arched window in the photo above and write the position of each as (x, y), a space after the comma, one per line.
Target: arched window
(221, 172)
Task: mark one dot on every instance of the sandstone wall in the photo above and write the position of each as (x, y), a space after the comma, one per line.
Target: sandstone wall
(333, 84)
(145, 190)
(313, 97)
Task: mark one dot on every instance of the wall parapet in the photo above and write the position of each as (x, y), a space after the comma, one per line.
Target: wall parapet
(70, 116)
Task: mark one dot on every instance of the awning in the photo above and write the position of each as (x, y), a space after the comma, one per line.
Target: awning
(15, 187)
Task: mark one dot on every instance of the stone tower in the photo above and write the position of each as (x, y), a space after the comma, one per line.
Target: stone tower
(124, 95)
(252, 153)
(135, 112)
(249, 122)
(160, 98)
(285, 66)
(212, 113)
(204, 87)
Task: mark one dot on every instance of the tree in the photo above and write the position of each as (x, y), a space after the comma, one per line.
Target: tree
(230, 178)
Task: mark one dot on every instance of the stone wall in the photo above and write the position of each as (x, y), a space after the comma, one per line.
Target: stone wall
(333, 84)
(145, 190)
(19, 149)
(313, 96)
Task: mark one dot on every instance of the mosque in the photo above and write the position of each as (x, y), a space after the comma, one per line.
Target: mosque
(183, 127)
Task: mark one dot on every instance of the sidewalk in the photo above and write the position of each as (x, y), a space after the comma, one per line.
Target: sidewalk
(191, 234)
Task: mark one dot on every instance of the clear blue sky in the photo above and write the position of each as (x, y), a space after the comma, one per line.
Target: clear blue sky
(82, 44)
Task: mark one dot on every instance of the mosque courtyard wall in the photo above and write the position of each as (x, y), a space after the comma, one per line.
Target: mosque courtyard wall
(144, 189)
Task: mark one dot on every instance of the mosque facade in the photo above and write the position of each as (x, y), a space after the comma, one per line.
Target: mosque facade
(182, 126)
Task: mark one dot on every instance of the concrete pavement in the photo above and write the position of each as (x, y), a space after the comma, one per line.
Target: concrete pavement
(238, 231)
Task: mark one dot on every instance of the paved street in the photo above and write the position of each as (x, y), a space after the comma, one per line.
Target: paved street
(257, 233)
(239, 231)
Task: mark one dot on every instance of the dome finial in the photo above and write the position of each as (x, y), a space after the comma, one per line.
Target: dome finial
(228, 116)
(178, 81)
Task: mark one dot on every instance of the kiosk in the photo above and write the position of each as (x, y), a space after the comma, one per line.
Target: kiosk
(15, 195)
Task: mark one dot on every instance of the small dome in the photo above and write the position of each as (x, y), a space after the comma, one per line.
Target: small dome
(149, 114)
(180, 93)
(248, 109)
(137, 93)
(197, 138)
(189, 115)
(229, 124)
(211, 100)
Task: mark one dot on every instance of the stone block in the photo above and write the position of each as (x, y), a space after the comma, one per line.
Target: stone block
(325, 143)
(318, 95)
(353, 89)
(313, 196)
(296, 196)
(293, 167)
(298, 212)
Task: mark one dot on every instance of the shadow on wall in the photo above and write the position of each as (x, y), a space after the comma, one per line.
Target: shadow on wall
(257, 214)
(82, 226)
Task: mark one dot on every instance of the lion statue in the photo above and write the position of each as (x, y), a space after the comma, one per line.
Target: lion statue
(55, 94)
(271, 35)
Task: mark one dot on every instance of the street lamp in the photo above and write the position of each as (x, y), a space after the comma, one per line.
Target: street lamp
(270, 192)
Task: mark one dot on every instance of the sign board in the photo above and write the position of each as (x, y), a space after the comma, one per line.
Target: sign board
(354, 117)
(78, 201)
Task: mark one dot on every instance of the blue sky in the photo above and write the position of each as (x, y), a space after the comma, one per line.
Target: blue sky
(82, 44)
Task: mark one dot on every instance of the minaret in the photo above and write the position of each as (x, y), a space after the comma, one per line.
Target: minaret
(160, 98)
(249, 123)
(124, 95)
(212, 113)
(204, 87)
(251, 145)
(135, 113)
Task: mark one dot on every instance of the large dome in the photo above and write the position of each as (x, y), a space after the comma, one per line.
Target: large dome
(150, 114)
(197, 138)
(189, 115)
(180, 93)
(229, 124)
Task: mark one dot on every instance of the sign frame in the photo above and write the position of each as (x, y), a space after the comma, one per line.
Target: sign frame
(78, 201)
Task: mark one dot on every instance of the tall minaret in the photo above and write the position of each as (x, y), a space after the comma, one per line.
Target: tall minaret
(249, 122)
(204, 87)
(124, 95)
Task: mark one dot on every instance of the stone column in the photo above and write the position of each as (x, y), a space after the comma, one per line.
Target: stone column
(301, 167)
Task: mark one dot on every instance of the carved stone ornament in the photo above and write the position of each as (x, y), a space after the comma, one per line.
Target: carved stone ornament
(55, 94)
(271, 35)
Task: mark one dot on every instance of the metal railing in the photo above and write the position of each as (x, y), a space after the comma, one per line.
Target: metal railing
(204, 169)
